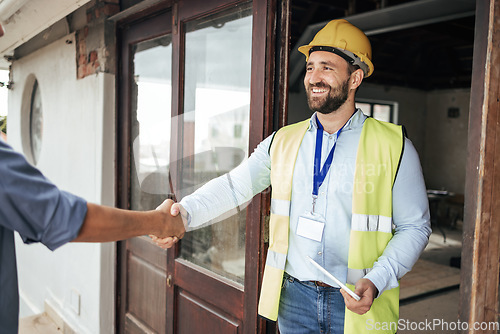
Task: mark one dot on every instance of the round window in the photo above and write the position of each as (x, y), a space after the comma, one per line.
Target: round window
(36, 122)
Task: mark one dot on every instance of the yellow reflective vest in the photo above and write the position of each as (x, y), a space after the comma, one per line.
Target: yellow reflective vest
(379, 153)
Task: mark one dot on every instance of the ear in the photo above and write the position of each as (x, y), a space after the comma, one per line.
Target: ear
(356, 78)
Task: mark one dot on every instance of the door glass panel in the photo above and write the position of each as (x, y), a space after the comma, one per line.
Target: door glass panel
(151, 116)
(216, 129)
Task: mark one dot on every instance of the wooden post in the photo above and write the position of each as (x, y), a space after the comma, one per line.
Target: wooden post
(480, 251)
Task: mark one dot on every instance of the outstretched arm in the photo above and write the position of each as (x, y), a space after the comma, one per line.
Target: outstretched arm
(103, 223)
(222, 195)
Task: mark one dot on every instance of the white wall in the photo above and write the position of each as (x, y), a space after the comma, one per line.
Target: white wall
(4, 77)
(78, 155)
(446, 140)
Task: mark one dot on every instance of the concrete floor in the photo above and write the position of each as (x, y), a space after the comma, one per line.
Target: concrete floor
(429, 314)
(435, 312)
(423, 314)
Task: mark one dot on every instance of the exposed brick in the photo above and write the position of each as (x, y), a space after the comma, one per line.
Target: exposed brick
(110, 9)
(82, 59)
(89, 69)
(82, 47)
(89, 61)
(81, 72)
(93, 56)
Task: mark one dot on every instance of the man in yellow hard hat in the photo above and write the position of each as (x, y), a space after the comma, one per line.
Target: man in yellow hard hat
(347, 194)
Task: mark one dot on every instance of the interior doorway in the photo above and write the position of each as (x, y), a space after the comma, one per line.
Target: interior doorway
(422, 80)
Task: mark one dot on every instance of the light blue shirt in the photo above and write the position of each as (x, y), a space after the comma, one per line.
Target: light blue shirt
(410, 205)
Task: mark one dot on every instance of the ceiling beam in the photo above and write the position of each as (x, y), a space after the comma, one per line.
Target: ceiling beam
(392, 18)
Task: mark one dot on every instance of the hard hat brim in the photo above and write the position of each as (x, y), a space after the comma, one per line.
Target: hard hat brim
(347, 55)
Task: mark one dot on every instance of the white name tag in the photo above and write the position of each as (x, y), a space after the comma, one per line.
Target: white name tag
(311, 227)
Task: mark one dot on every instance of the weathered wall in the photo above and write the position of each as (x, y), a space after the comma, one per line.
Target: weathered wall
(77, 154)
(74, 67)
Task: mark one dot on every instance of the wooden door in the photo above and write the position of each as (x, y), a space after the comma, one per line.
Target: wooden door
(193, 103)
(144, 153)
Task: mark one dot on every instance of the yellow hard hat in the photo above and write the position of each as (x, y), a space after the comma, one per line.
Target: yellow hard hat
(345, 40)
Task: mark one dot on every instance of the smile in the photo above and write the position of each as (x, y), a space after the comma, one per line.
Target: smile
(319, 90)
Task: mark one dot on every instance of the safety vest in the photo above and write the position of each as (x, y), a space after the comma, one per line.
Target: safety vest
(379, 153)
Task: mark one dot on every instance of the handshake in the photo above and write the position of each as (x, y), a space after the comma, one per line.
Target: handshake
(174, 227)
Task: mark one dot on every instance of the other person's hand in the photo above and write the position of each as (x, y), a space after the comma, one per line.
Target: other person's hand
(168, 240)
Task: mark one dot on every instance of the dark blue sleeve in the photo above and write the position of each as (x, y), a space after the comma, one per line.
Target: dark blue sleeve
(33, 206)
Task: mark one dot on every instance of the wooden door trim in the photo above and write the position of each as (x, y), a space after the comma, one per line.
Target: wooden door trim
(204, 284)
(195, 9)
(480, 250)
(129, 32)
(260, 126)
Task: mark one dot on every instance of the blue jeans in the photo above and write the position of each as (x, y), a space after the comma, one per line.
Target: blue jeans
(308, 308)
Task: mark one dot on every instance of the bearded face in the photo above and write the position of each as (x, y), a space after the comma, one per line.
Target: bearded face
(325, 99)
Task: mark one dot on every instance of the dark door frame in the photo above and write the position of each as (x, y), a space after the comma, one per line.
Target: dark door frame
(125, 39)
(261, 125)
(262, 83)
(481, 247)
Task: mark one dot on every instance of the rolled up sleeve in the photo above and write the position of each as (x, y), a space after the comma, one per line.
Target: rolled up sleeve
(34, 206)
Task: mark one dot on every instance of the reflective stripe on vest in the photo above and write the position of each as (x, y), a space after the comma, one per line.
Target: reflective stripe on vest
(379, 151)
(280, 207)
(371, 223)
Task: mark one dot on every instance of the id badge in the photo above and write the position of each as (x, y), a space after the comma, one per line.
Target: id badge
(311, 226)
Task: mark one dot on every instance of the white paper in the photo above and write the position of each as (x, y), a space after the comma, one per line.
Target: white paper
(310, 228)
(339, 283)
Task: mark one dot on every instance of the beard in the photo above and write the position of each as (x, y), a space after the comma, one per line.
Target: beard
(335, 99)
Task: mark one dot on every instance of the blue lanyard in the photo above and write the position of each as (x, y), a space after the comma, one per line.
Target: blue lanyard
(320, 174)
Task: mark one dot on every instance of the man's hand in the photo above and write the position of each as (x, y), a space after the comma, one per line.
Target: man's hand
(173, 227)
(167, 240)
(104, 224)
(367, 291)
